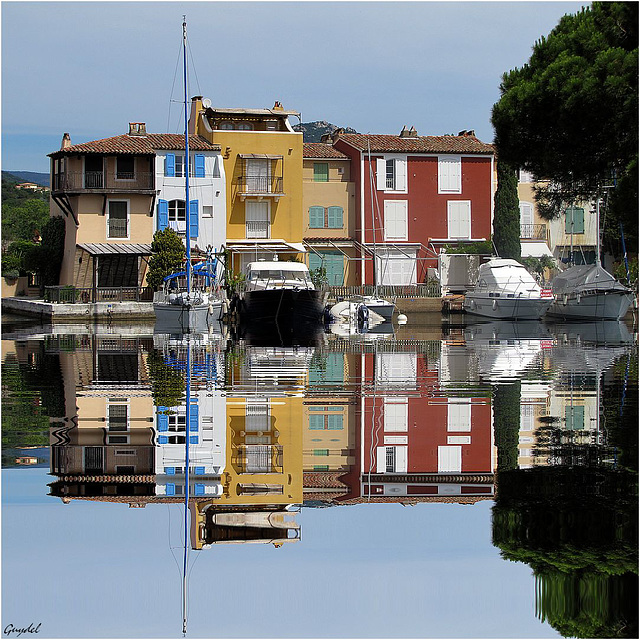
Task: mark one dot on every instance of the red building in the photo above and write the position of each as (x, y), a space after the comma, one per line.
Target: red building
(415, 194)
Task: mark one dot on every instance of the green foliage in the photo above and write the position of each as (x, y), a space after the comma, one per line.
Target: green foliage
(475, 248)
(48, 259)
(167, 384)
(537, 266)
(319, 277)
(570, 114)
(620, 273)
(506, 423)
(234, 283)
(168, 256)
(506, 218)
(22, 218)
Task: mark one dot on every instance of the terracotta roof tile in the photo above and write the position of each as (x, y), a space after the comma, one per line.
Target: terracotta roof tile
(148, 144)
(421, 144)
(321, 150)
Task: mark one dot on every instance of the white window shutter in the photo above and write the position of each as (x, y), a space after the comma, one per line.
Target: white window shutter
(401, 174)
(450, 459)
(381, 459)
(381, 170)
(402, 454)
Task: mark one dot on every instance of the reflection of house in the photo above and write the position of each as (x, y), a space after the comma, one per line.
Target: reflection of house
(534, 230)
(328, 205)
(428, 191)
(106, 446)
(263, 167)
(116, 192)
(534, 411)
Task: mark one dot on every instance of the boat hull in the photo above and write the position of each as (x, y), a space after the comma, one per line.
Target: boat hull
(178, 318)
(381, 307)
(506, 308)
(282, 305)
(612, 305)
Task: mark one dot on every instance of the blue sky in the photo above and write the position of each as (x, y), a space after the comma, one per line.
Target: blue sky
(89, 68)
(103, 570)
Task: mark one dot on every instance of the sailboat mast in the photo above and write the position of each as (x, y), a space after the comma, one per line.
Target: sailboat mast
(598, 231)
(186, 488)
(186, 156)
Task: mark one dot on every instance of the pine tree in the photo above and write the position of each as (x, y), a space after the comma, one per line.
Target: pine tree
(506, 217)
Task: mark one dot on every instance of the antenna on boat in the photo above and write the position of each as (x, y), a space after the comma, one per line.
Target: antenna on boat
(186, 157)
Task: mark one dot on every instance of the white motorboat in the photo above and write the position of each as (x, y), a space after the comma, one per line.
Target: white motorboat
(506, 290)
(589, 292)
(280, 291)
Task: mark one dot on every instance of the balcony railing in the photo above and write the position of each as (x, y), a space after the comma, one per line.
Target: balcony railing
(428, 290)
(102, 180)
(533, 231)
(257, 229)
(83, 295)
(262, 185)
(117, 228)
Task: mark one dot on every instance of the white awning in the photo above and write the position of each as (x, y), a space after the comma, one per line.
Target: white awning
(534, 250)
(264, 244)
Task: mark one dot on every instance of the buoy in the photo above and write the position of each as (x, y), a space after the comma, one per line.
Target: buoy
(402, 319)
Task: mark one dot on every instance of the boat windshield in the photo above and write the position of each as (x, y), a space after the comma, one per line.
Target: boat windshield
(280, 276)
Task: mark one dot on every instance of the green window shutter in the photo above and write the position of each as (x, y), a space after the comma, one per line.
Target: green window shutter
(335, 367)
(321, 171)
(321, 452)
(335, 217)
(315, 261)
(321, 467)
(316, 422)
(334, 266)
(334, 423)
(316, 217)
(574, 215)
(574, 417)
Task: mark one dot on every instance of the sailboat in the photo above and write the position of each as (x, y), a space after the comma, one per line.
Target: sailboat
(188, 308)
(588, 291)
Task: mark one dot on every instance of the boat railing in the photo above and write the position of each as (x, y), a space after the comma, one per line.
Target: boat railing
(68, 294)
(426, 290)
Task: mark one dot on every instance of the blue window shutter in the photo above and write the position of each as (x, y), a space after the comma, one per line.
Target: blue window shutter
(199, 471)
(334, 217)
(193, 417)
(170, 165)
(316, 422)
(193, 439)
(171, 489)
(163, 439)
(193, 219)
(334, 423)
(315, 261)
(199, 165)
(163, 422)
(163, 214)
(170, 471)
(316, 217)
(198, 489)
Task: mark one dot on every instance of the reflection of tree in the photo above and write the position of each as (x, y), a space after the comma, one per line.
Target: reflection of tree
(506, 423)
(577, 528)
(167, 383)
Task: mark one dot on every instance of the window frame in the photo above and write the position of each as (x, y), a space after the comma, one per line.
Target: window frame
(317, 175)
(108, 218)
(132, 173)
(449, 160)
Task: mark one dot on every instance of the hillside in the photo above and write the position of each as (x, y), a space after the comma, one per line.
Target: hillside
(313, 131)
(41, 179)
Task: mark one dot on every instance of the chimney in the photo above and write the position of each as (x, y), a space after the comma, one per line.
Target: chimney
(278, 106)
(326, 138)
(196, 108)
(137, 129)
(66, 141)
(408, 133)
(337, 133)
(466, 134)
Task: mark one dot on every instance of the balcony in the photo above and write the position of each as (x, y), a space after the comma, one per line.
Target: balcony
(260, 186)
(533, 232)
(258, 229)
(101, 181)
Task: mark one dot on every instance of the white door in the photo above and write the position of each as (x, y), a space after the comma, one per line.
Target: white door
(258, 217)
(450, 459)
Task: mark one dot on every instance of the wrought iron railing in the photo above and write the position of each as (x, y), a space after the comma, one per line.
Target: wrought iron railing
(84, 180)
(257, 229)
(427, 290)
(84, 295)
(533, 231)
(260, 184)
(117, 227)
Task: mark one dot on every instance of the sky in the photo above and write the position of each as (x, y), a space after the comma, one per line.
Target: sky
(90, 68)
(104, 570)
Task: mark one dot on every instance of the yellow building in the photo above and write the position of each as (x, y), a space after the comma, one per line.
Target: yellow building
(262, 157)
(328, 204)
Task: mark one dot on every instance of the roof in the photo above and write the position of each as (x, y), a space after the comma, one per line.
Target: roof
(139, 144)
(104, 249)
(421, 144)
(321, 150)
(251, 112)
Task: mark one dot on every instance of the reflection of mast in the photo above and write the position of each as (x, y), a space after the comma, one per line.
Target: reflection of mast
(186, 490)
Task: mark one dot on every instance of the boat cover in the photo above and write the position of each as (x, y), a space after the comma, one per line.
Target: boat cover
(585, 277)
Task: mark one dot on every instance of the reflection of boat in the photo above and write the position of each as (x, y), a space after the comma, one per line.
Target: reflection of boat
(596, 332)
(186, 309)
(506, 290)
(377, 305)
(589, 291)
(280, 291)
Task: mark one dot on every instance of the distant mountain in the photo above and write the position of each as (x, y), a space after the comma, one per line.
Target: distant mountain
(41, 179)
(313, 131)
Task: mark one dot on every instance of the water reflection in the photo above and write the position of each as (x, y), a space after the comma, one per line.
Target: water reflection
(255, 426)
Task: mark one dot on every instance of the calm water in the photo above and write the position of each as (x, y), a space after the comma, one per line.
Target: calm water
(425, 481)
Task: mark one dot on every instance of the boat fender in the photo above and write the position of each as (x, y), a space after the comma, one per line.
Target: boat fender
(402, 319)
(363, 314)
(578, 298)
(565, 299)
(494, 306)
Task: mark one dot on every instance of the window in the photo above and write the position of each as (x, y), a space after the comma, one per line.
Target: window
(391, 459)
(574, 220)
(125, 168)
(525, 176)
(449, 174)
(321, 172)
(117, 220)
(177, 211)
(326, 422)
(258, 218)
(117, 417)
(459, 414)
(258, 175)
(391, 174)
(244, 126)
(226, 126)
(395, 220)
(574, 417)
(207, 211)
(526, 220)
(326, 218)
(459, 219)
(450, 459)
(321, 452)
(174, 166)
(396, 414)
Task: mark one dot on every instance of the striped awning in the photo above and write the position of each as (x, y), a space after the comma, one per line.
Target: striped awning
(109, 249)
